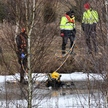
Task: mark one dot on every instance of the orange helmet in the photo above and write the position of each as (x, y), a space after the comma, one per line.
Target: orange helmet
(23, 30)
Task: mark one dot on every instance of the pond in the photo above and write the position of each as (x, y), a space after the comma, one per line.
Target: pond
(15, 96)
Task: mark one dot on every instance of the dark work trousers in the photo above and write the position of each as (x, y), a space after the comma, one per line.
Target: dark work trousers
(68, 34)
(22, 68)
(90, 35)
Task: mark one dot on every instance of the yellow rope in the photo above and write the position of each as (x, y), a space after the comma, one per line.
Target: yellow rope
(67, 54)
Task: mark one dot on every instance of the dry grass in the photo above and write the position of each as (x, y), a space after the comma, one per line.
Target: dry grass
(79, 62)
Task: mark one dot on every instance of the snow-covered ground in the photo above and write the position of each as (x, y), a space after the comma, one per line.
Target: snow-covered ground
(76, 76)
(97, 100)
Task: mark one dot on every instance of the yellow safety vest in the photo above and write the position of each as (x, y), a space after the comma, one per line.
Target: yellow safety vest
(67, 23)
(90, 17)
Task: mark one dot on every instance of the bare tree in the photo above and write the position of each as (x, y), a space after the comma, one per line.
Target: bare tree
(28, 14)
(43, 39)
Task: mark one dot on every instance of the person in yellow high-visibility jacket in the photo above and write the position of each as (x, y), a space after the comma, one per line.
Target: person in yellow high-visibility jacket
(67, 27)
(89, 21)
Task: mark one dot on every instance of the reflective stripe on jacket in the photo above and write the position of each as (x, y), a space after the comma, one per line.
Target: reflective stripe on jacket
(67, 23)
(90, 17)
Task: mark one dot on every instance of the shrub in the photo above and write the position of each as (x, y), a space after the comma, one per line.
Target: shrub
(49, 13)
(3, 11)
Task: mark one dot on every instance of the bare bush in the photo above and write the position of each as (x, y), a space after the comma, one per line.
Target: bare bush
(46, 40)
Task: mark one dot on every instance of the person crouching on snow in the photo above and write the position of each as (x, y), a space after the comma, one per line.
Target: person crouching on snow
(54, 80)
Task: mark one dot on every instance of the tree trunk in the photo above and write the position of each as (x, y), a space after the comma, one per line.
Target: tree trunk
(29, 60)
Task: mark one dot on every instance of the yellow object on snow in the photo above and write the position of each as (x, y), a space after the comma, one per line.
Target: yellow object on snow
(55, 75)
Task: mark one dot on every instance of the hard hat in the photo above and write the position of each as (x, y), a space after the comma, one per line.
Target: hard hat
(87, 6)
(55, 75)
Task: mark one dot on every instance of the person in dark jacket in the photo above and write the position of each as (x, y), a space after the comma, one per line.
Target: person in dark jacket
(54, 80)
(21, 41)
(67, 27)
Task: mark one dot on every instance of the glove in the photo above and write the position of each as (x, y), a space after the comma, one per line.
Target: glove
(62, 33)
(22, 56)
(82, 25)
(59, 77)
(31, 55)
(74, 31)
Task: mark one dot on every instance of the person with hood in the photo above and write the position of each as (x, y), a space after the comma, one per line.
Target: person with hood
(89, 21)
(67, 27)
(21, 41)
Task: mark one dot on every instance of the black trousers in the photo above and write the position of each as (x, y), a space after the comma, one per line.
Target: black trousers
(68, 34)
(22, 71)
(90, 36)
